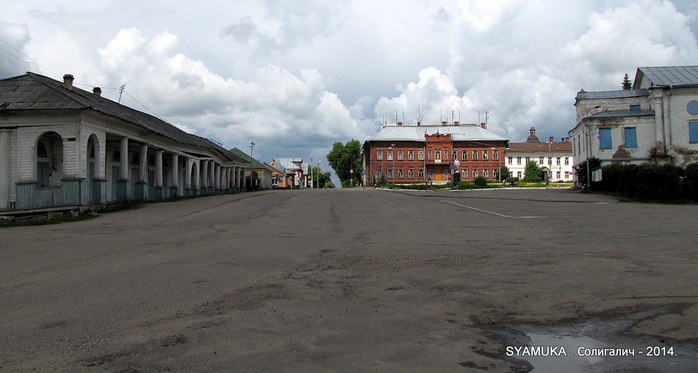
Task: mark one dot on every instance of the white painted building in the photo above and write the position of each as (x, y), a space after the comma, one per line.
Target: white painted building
(657, 120)
(61, 146)
(554, 158)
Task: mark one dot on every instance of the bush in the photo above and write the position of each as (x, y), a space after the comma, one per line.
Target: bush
(465, 185)
(646, 182)
(480, 182)
(691, 182)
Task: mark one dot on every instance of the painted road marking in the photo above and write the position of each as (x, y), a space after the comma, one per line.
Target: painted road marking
(492, 212)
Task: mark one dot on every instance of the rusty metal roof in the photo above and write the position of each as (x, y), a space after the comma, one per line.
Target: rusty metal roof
(34, 92)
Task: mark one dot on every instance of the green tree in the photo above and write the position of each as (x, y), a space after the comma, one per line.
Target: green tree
(345, 159)
(504, 172)
(581, 170)
(533, 172)
(321, 179)
(627, 84)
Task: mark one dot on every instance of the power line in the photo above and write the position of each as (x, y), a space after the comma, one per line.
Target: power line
(139, 103)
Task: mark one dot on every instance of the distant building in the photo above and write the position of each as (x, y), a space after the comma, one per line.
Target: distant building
(406, 154)
(554, 158)
(258, 175)
(61, 146)
(657, 120)
(293, 168)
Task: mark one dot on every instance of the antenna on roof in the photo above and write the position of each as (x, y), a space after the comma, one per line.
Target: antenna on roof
(419, 115)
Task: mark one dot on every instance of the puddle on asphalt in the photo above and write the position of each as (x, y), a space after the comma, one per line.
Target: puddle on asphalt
(598, 345)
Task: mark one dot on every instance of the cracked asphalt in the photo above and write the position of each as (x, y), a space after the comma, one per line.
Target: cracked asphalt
(342, 280)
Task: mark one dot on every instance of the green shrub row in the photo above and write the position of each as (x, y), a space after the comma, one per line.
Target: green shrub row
(650, 182)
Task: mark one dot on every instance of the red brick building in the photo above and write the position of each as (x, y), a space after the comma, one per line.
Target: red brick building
(408, 154)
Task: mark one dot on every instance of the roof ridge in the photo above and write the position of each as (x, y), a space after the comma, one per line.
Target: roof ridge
(56, 86)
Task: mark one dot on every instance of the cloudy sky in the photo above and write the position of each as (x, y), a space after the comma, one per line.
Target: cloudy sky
(296, 76)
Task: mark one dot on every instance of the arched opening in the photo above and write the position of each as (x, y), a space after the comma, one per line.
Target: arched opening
(194, 176)
(49, 160)
(254, 180)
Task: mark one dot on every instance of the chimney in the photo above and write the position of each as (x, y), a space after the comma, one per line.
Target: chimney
(443, 123)
(483, 125)
(399, 124)
(567, 139)
(455, 123)
(552, 139)
(68, 81)
(97, 91)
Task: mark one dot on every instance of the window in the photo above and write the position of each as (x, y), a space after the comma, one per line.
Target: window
(485, 155)
(445, 154)
(410, 174)
(558, 175)
(455, 155)
(465, 174)
(630, 134)
(541, 160)
(437, 155)
(518, 161)
(400, 155)
(692, 132)
(511, 160)
(379, 155)
(399, 174)
(474, 174)
(528, 159)
(567, 174)
(495, 155)
(518, 174)
(465, 155)
(558, 160)
(495, 174)
(605, 141)
(430, 155)
(390, 155)
(634, 107)
(484, 173)
(420, 155)
(390, 174)
(410, 155)
(550, 161)
(474, 155)
(421, 173)
(567, 161)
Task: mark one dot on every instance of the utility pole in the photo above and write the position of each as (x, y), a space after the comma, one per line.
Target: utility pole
(121, 91)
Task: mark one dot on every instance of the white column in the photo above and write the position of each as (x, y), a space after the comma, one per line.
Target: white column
(124, 174)
(143, 166)
(217, 176)
(4, 168)
(233, 177)
(158, 168)
(187, 174)
(174, 170)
